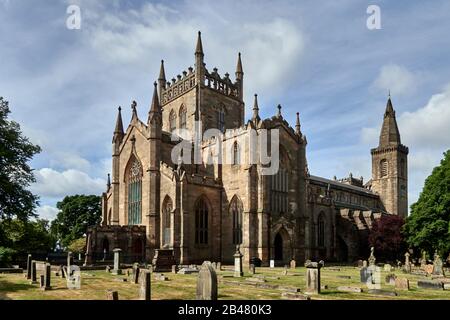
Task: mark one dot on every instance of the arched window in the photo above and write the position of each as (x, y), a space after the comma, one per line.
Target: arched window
(383, 168)
(201, 222)
(183, 117)
(279, 183)
(236, 154)
(221, 119)
(172, 121)
(166, 225)
(321, 230)
(236, 209)
(134, 184)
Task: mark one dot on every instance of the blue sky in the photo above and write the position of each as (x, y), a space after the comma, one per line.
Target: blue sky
(64, 85)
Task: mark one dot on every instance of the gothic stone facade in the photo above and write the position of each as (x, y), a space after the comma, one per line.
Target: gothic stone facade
(202, 211)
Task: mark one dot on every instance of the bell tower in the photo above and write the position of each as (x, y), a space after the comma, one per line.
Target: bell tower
(390, 166)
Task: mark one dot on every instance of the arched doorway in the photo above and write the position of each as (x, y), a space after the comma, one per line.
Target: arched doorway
(105, 249)
(278, 247)
(138, 247)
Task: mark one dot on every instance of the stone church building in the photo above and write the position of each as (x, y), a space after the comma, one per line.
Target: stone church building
(203, 211)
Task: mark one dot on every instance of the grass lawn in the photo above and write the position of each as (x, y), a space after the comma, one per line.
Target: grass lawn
(95, 283)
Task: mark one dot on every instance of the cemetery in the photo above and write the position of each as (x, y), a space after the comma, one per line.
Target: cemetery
(315, 280)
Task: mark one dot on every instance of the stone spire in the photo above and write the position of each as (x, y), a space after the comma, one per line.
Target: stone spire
(256, 117)
(155, 108)
(134, 111)
(389, 131)
(239, 70)
(297, 125)
(118, 131)
(161, 79)
(108, 182)
(199, 47)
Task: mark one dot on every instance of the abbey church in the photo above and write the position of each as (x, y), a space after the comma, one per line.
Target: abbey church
(202, 211)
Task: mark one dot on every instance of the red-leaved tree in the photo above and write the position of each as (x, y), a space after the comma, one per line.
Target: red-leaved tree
(387, 239)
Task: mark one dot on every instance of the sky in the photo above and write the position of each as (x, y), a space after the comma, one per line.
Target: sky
(64, 85)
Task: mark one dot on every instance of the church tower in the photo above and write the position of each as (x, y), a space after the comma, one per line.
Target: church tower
(390, 166)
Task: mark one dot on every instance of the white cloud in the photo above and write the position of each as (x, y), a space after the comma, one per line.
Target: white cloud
(47, 212)
(53, 184)
(70, 160)
(397, 79)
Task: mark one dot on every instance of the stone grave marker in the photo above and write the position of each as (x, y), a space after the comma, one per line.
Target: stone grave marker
(112, 295)
(174, 269)
(136, 275)
(219, 266)
(238, 272)
(402, 283)
(430, 284)
(390, 279)
(33, 272)
(272, 263)
(144, 291)
(364, 264)
(438, 266)
(372, 258)
(285, 271)
(293, 264)
(313, 276)
(251, 269)
(207, 282)
(364, 274)
(387, 267)
(29, 260)
(214, 265)
(349, 289)
(117, 270)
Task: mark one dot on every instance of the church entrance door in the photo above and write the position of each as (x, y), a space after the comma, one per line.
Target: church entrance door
(278, 244)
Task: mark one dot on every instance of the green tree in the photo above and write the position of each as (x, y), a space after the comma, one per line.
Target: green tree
(78, 245)
(76, 213)
(15, 173)
(428, 226)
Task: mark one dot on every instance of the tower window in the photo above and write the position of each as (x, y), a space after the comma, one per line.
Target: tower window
(383, 168)
(236, 211)
(236, 154)
(183, 117)
(201, 222)
(221, 120)
(172, 121)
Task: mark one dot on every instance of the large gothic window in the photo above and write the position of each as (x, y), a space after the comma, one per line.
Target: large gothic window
(172, 121)
(279, 183)
(383, 168)
(321, 230)
(183, 113)
(135, 193)
(201, 222)
(236, 209)
(166, 225)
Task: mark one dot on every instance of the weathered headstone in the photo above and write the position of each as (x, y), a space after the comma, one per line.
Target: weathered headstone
(423, 260)
(33, 272)
(136, 273)
(387, 267)
(293, 264)
(42, 282)
(108, 269)
(117, 269)
(365, 264)
(144, 291)
(29, 260)
(372, 258)
(112, 295)
(47, 276)
(402, 283)
(430, 284)
(438, 266)
(174, 268)
(428, 268)
(251, 269)
(207, 282)
(349, 289)
(214, 265)
(407, 267)
(313, 276)
(238, 272)
(69, 260)
(272, 263)
(364, 274)
(61, 272)
(219, 266)
(390, 279)
(285, 271)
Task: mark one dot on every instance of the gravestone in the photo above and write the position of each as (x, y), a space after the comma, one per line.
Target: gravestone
(161, 277)
(429, 268)
(214, 265)
(33, 272)
(69, 260)
(251, 269)
(364, 264)
(61, 272)
(207, 282)
(387, 267)
(293, 264)
(73, 277)
(42, 282)
(437, 266)
(47, 276)
(108, 269)
(136, 272)
(313, 276)
(364, 274)
(29, 260)
(238, 263)
(163, 260)
(174, 268)
(285, 271)
(144, 291)
(423, 260)
(112, 295)
(349, 289)
(117, 270)
(372, 258)
(407, 267)
(430, 284)
(402, 283)
(272, 264)
(390, 279)
(219, 266)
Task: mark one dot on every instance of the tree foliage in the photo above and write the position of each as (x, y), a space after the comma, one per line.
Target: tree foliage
(78, 245)
(76, 213)
(15, 173)
(386, 237)
(428, 226)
